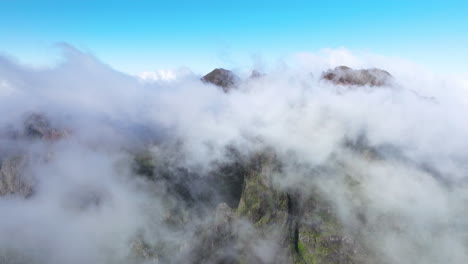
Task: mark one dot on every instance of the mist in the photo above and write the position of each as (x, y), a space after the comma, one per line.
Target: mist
(390, 161)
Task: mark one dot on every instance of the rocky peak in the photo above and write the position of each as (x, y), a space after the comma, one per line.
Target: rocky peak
(344, 75)
(223, 78)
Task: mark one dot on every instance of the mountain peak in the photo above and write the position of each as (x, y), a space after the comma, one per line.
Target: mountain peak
(343, 75)
(223, 78)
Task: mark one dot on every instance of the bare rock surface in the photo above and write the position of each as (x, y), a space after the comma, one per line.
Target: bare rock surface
(344, 75)
(223, 78)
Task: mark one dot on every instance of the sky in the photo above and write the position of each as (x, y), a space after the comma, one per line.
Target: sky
(136, 36)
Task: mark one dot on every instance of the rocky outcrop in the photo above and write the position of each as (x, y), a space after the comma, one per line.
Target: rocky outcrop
(225, 79)
(297, 229)
(343, 75)
(305, 227)
(272, 212)
(256, 222)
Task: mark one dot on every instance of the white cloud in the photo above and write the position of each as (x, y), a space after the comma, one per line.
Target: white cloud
(165, 75)
(305, 119)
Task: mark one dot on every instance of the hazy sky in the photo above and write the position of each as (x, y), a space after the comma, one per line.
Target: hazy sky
(135, 36)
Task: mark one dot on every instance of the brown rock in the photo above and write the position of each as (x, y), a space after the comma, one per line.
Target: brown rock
(343, 75)
(223, 78)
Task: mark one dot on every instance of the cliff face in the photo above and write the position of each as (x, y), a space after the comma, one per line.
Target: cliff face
(265, 224)
(304, 228)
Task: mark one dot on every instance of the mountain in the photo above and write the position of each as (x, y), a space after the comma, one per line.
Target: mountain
(223, 78)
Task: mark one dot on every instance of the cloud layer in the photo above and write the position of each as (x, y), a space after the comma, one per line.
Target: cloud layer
(404, 146)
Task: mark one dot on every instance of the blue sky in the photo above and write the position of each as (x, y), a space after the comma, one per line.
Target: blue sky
(135, 36)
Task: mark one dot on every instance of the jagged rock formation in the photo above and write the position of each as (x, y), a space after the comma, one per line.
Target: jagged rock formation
(252, 219)
(308, 230)
(343, 75)
(223, 78)
(295, 228)
(262, 222)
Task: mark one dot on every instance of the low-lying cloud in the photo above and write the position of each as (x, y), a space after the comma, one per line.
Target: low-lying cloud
(403, 146)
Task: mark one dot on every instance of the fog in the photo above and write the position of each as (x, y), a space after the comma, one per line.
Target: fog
(403, 146)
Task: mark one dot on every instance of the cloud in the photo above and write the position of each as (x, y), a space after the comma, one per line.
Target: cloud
(405, 152)
(165, 75)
